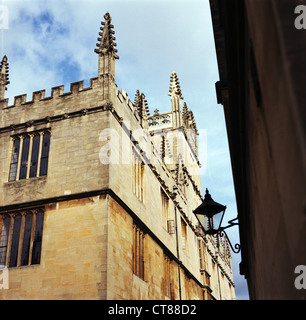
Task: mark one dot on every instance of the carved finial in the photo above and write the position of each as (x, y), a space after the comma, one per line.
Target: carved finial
(145, 104)
(4, 76)
(190, 120)
(185, 115)
(106, 40)
(175, 89)
(176, 96)
(141, 104)
(219, 244)
(185, 109)
(227, 251)
(163, 147)
(137, 101)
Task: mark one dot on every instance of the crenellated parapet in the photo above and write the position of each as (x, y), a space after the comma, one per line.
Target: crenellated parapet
(59, 102)
(56, 92)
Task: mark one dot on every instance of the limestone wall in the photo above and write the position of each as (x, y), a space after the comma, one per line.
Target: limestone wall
(74, 255)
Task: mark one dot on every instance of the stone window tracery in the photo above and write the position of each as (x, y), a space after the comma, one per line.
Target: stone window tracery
(21, 238)
(30, 155)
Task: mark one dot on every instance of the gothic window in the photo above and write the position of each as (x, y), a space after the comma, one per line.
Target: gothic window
(165, 209)
(4, 233)
(15, 241)
(201, 255)
(138, 176)
(167, 280)
(214, 273)
(138, 251)
(37, 238)
(21, 238)
(26, 239)
(203, 262)
(45, 154)
(34, 156)
(30, 155)
(184, 234)
(14, 161)
(24, 158)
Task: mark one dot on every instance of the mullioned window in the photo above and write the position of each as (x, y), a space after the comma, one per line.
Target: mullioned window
(21, 238)
(30, 155)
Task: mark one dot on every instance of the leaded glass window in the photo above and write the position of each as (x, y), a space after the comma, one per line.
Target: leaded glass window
(30, 155)
(21, 238)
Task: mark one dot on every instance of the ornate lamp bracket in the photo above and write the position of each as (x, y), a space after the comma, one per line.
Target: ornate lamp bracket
(223, 233)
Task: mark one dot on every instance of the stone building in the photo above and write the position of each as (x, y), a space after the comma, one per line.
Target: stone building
(97, 195)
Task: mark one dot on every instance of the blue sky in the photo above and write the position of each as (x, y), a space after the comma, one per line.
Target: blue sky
(50, 43)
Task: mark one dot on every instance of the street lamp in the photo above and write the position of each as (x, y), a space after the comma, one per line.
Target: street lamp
(210, 215)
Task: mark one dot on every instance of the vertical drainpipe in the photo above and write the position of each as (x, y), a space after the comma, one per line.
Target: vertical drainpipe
(178, 255)
(177, 246)
(217, 253)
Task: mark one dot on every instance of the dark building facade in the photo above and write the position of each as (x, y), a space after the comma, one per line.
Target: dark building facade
(261, 62)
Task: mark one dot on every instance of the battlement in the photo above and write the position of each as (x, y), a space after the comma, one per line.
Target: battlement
(56, 92)
(123, 96)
